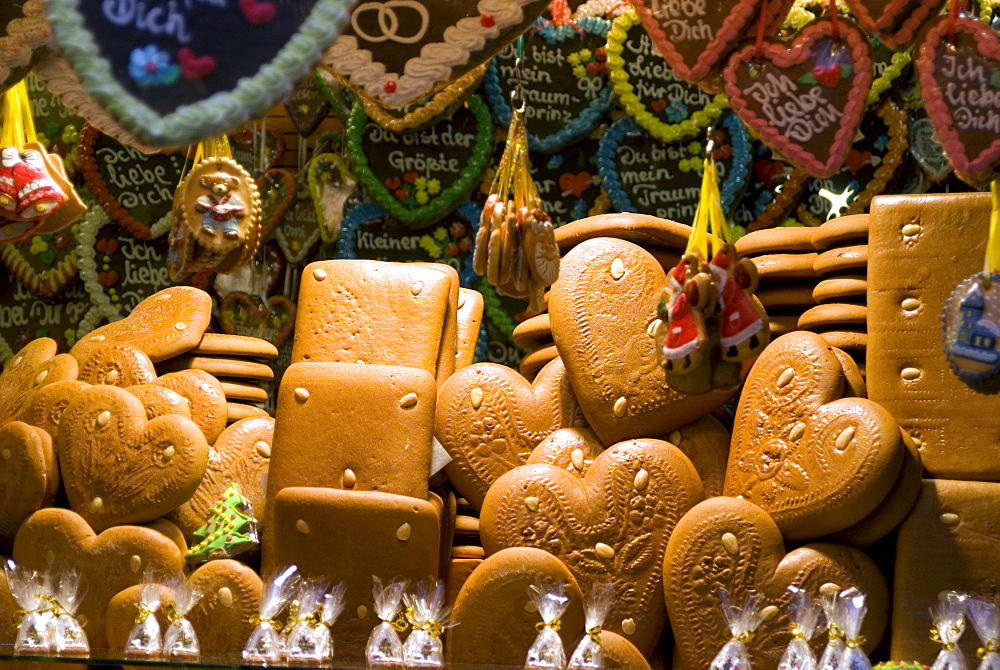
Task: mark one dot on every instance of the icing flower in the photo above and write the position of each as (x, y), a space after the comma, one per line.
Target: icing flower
(881, 142)
(422, 197)
(434, 186)
(149, 66)
(676, 112)
(420, 183)
(38, 245)
(579, 72)
(440, 234)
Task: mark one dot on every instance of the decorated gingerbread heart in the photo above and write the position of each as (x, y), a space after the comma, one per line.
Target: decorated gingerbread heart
(307, 107)
(773, 190)
(419, 177)
(565, 77)
(732, 544)
(257, 148)
(569, 183)
(646, 176)
(612, 524)
(815, 461)
(805, 100)
(298, 230)
(958, 78)
(895, 22)
(24, 316)
(246, 314)
(24, 39)
(400, 52)
(610, 357)
(661, 102)
(489, 419)
(119, 468)
(331, 185)
(117, 364)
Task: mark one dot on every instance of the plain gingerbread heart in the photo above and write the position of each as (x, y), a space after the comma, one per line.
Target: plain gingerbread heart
(601, 308)
(29, 479)
(612, 524)
(733, 544)
(495, 623)
(36, 365)
(798, 104)
(489, 418)
(119, 468)
(815, 461)
(58, 539)
(957, 81)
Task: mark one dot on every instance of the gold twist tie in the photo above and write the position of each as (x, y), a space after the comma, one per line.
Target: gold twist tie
(936, 637)
(857, 642)
(173, 616)
(745, 637)
(835, 634)
(143, 614)
(796, 631)
(992, 647)
(398, 624)
(595, 634)
(555, 625)
(257, 621)
(433, 628)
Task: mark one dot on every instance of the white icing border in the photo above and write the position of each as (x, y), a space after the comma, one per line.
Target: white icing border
(436, 60)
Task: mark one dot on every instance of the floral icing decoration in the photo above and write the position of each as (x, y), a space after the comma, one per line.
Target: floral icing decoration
(150, 66)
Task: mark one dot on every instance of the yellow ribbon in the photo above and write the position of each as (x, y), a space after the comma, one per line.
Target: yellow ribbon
(992, 647)
(555, 625)
(992, 262)
(173, 616)
(835, 633)
(936, 637)
(796, 631)
(16, 123)
(709, 213)
(143, 614)
(746, 637)
(595, 634)
(432, 627)
(257, 621)
(857, 642)
(399, 624)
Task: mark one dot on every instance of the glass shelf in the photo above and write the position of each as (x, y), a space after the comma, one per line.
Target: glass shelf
(107, 657)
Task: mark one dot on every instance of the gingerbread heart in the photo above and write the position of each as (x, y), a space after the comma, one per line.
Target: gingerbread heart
(421, 114)
(205, 399)
(30, 478)
(307, 107)
(773, 189)
(400, 52)
(119, 468)
(47, 404)
(609, 354)
(733, 544)
(257, 150)
(163, 325)
(117, 364)
(58, 539)
(277, 193)
(693, 36)
(231, 599)
(299, 229)
(815, 461)
(496, 624)
(572, 449)
(243, 314)
(806, 100)
(612, 524)
(957, 78)
(894, 22)
(36, 365)
(160, 401)
(489, 418)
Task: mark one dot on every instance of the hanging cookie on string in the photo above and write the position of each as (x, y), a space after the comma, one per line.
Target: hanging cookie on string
(35, 194)
(217, 212)
(515, 246)
(971, 317)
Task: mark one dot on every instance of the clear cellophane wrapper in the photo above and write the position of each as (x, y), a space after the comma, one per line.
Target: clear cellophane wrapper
(266, 643)
(547, 651)
(804, 616)
(742, 623)
(515, 245)
(428, 616)
(985, 618)
(69, 638)
(333, 607)
(384, 648)
(35, 627)
(589, 652)
(301, 643)
(180, 639)
(833, 610)
(855, 606)
(949, 625)
(146, 636)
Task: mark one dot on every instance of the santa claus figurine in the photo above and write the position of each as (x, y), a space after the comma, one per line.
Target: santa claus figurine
(682, 339)
(743, 321)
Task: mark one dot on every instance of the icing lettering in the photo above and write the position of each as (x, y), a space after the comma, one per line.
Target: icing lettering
(446, 137)
(798, 115)
(157, 20)
(407, 163)
(370, 241)
(139, 186)
(975, 104)
(141, 274)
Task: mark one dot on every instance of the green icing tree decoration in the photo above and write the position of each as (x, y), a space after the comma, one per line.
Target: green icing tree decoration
(231, 529)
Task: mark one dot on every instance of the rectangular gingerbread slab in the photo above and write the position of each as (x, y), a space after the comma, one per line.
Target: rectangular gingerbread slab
(470, 318)
(349, 536)
(449, 334)
(951, 540)
(355, 427)
(920, 248)
(352, 311)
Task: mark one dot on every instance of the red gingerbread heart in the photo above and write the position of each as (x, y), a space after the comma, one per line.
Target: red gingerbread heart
(109, 278)
(194, 67)
(806, 101)
(694, 35)
(106, 247)
(959, 80)
(258, 13)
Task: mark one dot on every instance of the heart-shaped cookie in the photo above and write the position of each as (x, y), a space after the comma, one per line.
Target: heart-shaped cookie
(646, 176)
(489, 418)
(136, 189)
(399, 52)
(205, 398)
(47, 405)
(564, 77)
(240, 455)
(167, 77)
(733, 544)
(894, 22)
(117, 364)
(36, 365)
(610, 356)
(662, 103)
(298, 231)
(257, 148)
(24, 38)
(58, 539)
(496, 621)
(872, 166)
(29, 478)
(421, 176)
(163, 325)
(957, 78)
(572, 449)
(694, 36)
(160, 401)
(612, 524)
(805, 100)
(815, 461)
(706, 443)
(119, 468)
(243, 314)
(231, 599)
